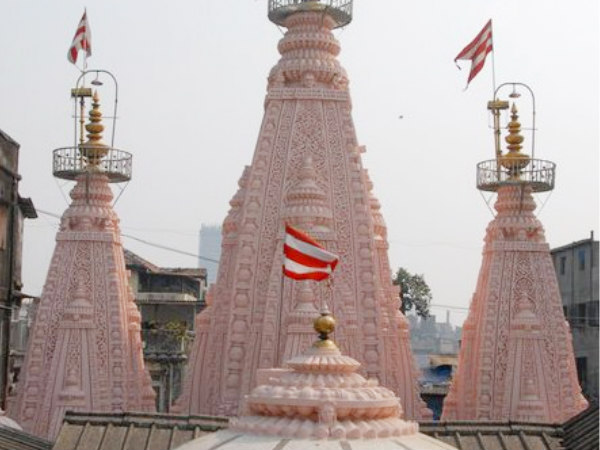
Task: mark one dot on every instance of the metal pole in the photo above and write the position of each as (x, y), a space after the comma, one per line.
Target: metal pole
(493, 62)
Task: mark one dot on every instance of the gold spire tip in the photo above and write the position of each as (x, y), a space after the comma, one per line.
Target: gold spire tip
(324, 325)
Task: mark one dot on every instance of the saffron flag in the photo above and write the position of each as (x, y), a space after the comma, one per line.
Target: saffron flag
(305, 258)
(477, 50)
(81, 41)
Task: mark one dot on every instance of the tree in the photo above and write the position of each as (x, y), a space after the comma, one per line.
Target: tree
(414, 292)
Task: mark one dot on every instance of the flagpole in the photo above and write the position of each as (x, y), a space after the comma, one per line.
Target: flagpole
(493, 62)
(281, 289)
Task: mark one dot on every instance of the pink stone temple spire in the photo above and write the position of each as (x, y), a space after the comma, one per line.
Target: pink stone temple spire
(85, 351)
(317, 402)
(516, 360)
(306, 171)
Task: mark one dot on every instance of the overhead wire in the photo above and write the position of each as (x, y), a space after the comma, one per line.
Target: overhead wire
(144, 241)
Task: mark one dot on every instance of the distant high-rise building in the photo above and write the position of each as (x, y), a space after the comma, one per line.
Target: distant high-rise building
(210, 250)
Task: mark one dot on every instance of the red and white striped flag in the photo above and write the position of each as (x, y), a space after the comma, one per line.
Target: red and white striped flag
(305, 258)
(81, 41)
(477, 50)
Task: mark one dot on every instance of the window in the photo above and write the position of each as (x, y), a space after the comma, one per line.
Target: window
(581, 364)
(581, 259)
(593, 313)
(581, 313)
(563, 264)
(3, 226)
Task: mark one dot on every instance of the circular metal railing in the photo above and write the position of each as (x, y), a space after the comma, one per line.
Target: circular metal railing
(539, 174)
(339, 10)
(69, 162)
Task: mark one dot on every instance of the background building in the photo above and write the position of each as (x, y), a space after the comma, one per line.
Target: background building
(20, 325)
(435, 346)
(210, 250)
(168, 299)
(576, 267)
(13, 210)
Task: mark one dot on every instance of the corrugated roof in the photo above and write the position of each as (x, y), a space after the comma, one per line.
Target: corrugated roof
(136, 260)
(132, 431)
(131, 259)
(140, 431)
(496, 436)
(12, 439)
(143, 431)
(581, 432)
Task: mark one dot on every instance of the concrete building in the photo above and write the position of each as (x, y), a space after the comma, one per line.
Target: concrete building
(210, 250)
(168, 299)
(427, 336)
(435, 346)
(20, 327)
(576, 267)
(13, 210)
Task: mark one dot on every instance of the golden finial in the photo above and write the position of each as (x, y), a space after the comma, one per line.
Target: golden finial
(95, 148)
(324, 325)
(515, 161)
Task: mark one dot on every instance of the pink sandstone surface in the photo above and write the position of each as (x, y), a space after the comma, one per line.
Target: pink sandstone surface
(319, 401)
(306, 171)
(84, 352)
(516, 359)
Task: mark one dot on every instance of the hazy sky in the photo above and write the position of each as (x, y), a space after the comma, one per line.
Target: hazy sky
(192, 80)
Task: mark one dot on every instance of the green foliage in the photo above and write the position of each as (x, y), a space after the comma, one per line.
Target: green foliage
(414, 292)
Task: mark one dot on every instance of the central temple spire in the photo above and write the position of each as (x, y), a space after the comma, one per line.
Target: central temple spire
(307, 171)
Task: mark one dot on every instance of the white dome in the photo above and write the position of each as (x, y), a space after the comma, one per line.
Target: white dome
(7, 422)
(232, 440)
(319, 402)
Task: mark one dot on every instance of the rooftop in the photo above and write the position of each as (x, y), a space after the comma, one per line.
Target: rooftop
(131, 259)
(84, 431)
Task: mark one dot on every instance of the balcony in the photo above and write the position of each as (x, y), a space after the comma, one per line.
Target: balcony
(339, 10)
(539, 174)
(166, 344)
(148, 298)
(68, 163)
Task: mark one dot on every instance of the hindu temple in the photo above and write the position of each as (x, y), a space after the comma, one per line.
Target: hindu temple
(516, 360)
(306, 171)
(319, 402)
(84, 351)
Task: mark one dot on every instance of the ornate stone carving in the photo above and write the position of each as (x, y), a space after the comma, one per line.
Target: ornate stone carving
(85, 352)
(307, 170)
(516, 360)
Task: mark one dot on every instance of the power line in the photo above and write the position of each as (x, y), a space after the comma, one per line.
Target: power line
(143, 241)
(171, 249)
(465, 308)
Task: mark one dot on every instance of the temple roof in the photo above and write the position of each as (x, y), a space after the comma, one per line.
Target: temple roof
(121, 431)
(13, 439)
(140, 431)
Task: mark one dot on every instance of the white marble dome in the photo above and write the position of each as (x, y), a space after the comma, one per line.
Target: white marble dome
(232, 440)
(319, 402)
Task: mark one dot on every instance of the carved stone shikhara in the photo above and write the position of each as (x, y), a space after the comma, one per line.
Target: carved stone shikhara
(84, 351)
(306, 171)
(516, 359)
